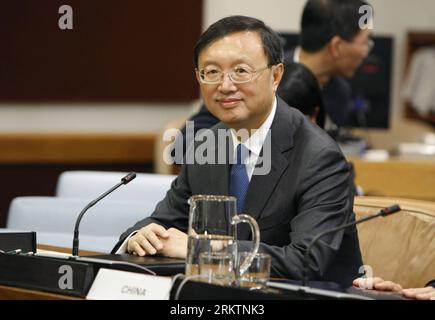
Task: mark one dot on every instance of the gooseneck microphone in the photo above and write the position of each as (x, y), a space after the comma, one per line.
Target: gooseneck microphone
(125, 180)
(382, 213)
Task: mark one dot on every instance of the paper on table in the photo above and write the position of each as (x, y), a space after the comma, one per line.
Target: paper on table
(52, 254)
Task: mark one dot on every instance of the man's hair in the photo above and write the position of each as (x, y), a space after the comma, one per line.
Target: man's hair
(272, 43)
(324, 19)
(299, 89)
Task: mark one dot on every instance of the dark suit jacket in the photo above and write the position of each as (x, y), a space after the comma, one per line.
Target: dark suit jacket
(430, 283)
(336, 95)
(306, 192)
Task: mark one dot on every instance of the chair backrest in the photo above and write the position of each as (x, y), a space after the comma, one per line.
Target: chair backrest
(401, 247)
(53, 218)
(90, 184)
(161, 152)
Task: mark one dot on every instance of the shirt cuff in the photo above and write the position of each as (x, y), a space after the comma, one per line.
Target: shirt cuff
(123, 248)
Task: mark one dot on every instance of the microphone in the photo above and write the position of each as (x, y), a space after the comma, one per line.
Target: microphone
(125, 180)
(382, 213)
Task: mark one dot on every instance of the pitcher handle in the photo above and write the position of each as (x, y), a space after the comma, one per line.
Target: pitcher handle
(255, 238)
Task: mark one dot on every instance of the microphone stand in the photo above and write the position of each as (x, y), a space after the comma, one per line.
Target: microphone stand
(125, 180)
(384, 212)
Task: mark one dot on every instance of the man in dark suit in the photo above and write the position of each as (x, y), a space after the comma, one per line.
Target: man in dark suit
(305, 188)
(332, 46)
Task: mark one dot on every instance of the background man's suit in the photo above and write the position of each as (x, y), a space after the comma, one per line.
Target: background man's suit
(306, 192)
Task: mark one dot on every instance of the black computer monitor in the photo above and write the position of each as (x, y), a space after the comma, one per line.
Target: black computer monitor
(371, 86)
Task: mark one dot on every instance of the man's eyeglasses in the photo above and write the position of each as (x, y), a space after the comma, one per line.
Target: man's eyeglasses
(237, 75)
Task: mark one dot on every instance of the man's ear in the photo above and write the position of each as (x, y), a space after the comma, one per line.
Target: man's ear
(334, 46)
(197, 76)
(277, 72)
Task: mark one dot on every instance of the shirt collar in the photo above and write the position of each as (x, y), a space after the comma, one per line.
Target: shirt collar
(296, 54)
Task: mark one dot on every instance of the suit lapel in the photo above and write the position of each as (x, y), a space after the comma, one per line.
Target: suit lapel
(219, 176)
(261, 187)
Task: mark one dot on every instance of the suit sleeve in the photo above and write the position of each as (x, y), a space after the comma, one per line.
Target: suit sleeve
(431, 283)
(172, 211)
(324, 201)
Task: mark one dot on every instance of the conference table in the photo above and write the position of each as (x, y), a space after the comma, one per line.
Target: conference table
(202, 289)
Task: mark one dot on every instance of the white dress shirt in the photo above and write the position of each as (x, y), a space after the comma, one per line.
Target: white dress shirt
(296, 54)
(255, 142)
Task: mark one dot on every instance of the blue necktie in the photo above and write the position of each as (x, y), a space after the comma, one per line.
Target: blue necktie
(239, 181)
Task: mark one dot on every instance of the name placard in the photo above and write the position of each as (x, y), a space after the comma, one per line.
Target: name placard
(59, 275)
(122, 285)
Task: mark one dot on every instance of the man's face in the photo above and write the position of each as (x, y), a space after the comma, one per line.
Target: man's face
(352, 53)
(243, 105)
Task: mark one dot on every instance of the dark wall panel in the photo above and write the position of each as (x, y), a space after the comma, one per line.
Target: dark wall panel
(118, 50)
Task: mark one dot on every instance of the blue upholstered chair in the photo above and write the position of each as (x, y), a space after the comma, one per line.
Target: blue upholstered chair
(53, 218)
